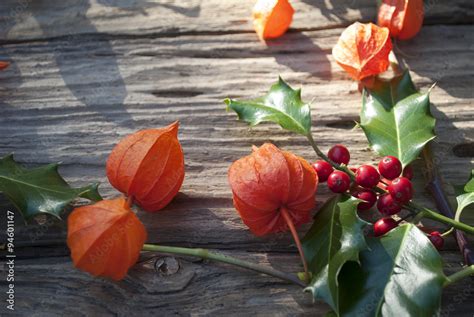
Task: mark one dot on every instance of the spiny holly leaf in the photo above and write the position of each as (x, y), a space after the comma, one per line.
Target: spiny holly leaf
(335, 237)
(281, 105)
(401, 274)
(396, 118)
(39, 190)
(465, 195)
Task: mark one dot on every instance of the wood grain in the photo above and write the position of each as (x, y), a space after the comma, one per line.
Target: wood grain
(84, 74)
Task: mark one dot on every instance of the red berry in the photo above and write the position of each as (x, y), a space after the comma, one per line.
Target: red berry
(353, 169)
(437, 240)
(339, 154)
(367, 176)
(339, 182)
(369, 198)
(408, 172)
(401, 190)
(390, 167)
(387, 205)
(384, 225)
(323, 169)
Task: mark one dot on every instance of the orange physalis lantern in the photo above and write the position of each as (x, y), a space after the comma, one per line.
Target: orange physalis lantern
(404, 18)
(149, 166)
(271, 18)
(273, 191)
(4, 65)
(105, 238)
(363, 49)
(269, 185)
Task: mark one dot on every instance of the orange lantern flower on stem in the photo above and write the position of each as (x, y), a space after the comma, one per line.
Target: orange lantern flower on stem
(404, 18)
(105, 238)
(273, 191)
(271, 18)
(363, 50)
(148, 166)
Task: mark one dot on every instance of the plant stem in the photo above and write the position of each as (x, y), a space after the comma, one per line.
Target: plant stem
(425, 212)
(290, 224)
(319, 152)
(129, 201)
(447, 233)
(206, 254)
(435, 187)
(340, 167)
(468, 270)
(430, 214)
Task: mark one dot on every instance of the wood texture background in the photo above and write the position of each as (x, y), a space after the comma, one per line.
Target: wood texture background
(86, 73)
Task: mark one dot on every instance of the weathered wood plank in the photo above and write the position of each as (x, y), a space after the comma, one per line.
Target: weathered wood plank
(29, 19)
(85, 110)
(115, 69)
(196, 288)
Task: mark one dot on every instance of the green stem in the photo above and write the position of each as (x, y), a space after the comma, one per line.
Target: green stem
(430, 214)
(206, 254)
(447, 233)
(417, 218)
(319, 152)
(467, 271)
(340, 167)
(411, 206)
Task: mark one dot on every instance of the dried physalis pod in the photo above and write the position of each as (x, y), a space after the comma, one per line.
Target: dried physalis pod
(270, 185)
(363, 49)
(403, 18)
(271, 18)
(148, 166)
(105, 238)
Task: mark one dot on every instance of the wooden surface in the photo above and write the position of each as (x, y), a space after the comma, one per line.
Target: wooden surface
(86, 73)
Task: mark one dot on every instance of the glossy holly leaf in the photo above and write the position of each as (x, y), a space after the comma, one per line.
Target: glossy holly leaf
(396, 118)
(335, 237)
(465, 195)
(401, 274)
(282, 105)
(39, 190)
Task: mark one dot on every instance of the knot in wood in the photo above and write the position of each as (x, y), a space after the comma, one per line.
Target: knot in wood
(167, 265)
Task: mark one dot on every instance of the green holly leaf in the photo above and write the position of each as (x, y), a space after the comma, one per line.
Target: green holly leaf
(469, 187)
(282, 105)
(39, 190)
(396, 118)
(335, 237)
(401, 274)
(465, 196)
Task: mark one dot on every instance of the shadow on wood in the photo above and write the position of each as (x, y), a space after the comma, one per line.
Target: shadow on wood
(97, 81)
(308, 58)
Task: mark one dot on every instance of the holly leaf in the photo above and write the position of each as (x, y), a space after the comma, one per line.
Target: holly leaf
(401, 274)
(335, 237)
(469, 187)
(282, 105)
(396, 118)
(465, 196)
(39, 190)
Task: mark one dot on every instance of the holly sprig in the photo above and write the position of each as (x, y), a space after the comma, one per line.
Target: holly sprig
(396, 120)
(40, 190)
(277, 108)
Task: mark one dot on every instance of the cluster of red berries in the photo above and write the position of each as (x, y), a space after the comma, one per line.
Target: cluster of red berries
(389, 176)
